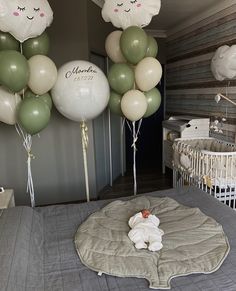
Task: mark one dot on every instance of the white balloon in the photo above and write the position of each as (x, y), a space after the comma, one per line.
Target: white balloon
(43, 74)
(112, 46)
(81, 92)
(8, 106)
(134, 105)
(148, 73)
(223, 64)
(25, 18)
(123, 14)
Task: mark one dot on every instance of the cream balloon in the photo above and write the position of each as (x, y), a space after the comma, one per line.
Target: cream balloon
(8, 106)
(134, 105)
(148, 73)
(43, 74)
(81, 92)
(112, 46)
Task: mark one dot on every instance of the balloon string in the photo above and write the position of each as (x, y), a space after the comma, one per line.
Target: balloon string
(27, 143)
(134, 158)
(21, 51)
(85, 142)
(30, 184)
(135, 139)
(21, 48)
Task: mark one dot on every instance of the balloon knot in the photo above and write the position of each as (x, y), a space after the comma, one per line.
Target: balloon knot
(30, 155)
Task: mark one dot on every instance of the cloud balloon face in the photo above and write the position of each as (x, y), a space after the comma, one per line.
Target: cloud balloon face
(223, 64)
(124, 13)
(25, 18)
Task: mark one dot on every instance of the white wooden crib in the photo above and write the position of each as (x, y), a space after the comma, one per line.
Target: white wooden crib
(207, 163)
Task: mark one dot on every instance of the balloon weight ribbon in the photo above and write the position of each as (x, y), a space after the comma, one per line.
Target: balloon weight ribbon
(85, 142)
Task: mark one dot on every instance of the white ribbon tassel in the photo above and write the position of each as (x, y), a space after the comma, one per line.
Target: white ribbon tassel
(27, 143)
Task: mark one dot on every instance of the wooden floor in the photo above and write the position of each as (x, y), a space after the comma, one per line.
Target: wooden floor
(147, 181)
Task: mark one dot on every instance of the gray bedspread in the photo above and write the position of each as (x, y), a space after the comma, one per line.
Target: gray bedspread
(37, 250)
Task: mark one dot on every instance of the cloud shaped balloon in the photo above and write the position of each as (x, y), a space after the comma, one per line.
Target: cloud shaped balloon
(223, 64)
(25, 18)
(124, 13)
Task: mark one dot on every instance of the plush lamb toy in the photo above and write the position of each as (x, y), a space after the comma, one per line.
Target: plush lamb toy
(145, 230)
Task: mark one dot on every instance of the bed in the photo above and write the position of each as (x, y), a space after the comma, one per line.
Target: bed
(37, 250)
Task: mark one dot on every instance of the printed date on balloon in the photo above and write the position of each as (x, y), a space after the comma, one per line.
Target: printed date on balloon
(84, 78)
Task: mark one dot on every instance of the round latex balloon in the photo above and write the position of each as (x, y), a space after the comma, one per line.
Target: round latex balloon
(121, 78)
(25, 18)
(134, 105)
(127, 13)
(81, 92)
(8, 106)
(8, 42)
(153, 100)
(152, 47)
(148, 74)
(36, 46)
(112, 46)
(115, 103)
(29, 94)
(14, 70)
(133, 43)
(33, 115)
(43, 74)
(45, 97)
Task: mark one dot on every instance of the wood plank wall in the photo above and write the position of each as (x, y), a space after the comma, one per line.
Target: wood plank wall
(191, 86)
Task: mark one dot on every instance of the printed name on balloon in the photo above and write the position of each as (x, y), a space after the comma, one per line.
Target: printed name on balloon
(77, 70)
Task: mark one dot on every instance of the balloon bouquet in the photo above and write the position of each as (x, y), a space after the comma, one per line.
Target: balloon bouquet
(26, 73)
(136, 71)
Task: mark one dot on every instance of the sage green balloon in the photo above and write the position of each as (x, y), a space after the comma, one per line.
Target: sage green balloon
(46, 98)
(33, 115)
(153, 100)
(133, 43)
(14, 70)
(121, 78)
(115, 103)
(152, 47)
(8, 42)
(29, 94)
(36, 46)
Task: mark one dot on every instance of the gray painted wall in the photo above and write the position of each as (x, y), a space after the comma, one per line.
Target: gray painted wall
(58, 165)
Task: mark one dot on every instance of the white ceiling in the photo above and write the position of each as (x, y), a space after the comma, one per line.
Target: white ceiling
(173, 13)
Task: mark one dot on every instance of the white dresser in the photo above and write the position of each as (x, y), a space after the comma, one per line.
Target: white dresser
(7, 199)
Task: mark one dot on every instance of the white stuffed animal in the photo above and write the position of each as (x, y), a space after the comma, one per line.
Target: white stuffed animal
(145, 230)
